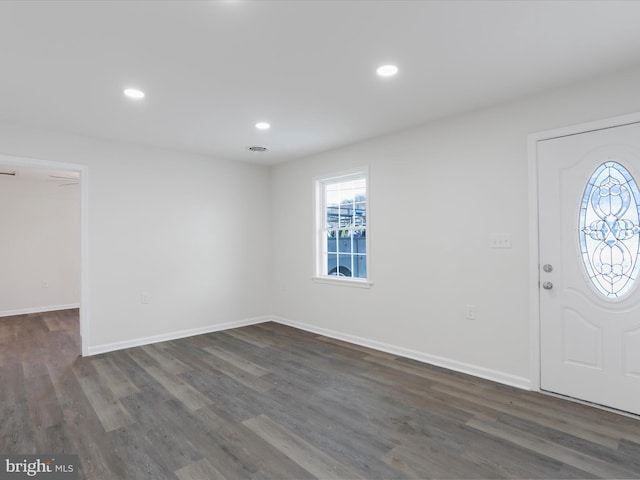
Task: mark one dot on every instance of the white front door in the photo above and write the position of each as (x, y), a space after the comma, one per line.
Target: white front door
(589, 246)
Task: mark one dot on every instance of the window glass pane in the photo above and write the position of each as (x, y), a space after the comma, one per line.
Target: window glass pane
(332, 263)
(344, 216)
(344, 244)
(344, 211)
(345, 268)
(609, 229)
(331, 245)
(332, 193)
(360, 214)
(360, 245)
(360, 270)
(332, 216)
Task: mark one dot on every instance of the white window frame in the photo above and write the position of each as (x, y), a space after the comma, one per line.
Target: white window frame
(319, 233)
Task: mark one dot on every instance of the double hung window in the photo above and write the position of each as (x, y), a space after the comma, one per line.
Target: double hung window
(341, 228)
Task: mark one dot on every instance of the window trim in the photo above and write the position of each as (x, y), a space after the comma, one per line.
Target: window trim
(319, 182)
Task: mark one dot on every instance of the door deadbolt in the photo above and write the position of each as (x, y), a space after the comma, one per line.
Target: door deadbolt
(548, 268)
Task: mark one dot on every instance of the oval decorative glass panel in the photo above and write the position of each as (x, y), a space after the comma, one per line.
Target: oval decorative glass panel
(609, 229)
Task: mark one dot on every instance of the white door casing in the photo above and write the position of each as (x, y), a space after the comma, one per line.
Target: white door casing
(589, 343)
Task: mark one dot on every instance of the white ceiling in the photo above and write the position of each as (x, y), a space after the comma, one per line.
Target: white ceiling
(212, 69)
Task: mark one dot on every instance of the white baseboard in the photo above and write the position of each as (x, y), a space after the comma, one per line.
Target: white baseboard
(50, 308)
(462, 367)
(137, 342)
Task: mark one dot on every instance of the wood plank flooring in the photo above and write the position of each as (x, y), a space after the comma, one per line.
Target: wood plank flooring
(272, 402)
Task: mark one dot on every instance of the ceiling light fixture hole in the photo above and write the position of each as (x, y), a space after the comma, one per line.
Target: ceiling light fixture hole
(387, 70)
(133, 93)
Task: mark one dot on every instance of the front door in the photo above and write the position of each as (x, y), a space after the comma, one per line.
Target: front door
(589, 245)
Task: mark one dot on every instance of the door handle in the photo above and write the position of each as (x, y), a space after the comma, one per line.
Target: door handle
(547, 285)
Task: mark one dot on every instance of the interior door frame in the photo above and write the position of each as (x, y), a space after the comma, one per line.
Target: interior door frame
(535, 353)
(9, 160)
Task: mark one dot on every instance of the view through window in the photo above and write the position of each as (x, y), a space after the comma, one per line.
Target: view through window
(343, 234)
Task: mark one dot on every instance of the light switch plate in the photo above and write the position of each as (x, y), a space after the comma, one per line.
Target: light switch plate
(500, 240)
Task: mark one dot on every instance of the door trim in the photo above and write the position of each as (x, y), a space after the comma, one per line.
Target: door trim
(10, 160)
(534, 232)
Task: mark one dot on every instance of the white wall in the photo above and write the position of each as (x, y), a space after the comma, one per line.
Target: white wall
(190, 230)
(215, 242)
(437, 193)
(39, 242)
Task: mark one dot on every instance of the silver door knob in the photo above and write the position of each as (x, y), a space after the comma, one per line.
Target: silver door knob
(547, 285)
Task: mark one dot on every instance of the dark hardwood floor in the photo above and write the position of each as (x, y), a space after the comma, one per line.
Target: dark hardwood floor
(273, 402)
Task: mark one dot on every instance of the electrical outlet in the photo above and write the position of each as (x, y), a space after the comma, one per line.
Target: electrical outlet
(471, 312)
(145, 297)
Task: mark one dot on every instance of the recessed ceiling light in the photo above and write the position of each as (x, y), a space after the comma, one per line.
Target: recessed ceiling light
(133, 93)
(387, 70)
(263, 126)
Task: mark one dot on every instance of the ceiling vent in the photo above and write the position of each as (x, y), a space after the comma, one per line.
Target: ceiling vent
(257, 149)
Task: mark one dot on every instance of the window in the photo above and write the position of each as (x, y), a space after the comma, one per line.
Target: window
(609, 229)
(341, 228)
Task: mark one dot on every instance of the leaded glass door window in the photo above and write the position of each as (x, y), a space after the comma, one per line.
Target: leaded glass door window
(609, 231)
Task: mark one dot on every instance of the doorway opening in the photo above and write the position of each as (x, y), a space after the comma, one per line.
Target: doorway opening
(66, 182)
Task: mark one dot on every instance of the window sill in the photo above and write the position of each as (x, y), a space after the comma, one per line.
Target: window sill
(344, 281)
